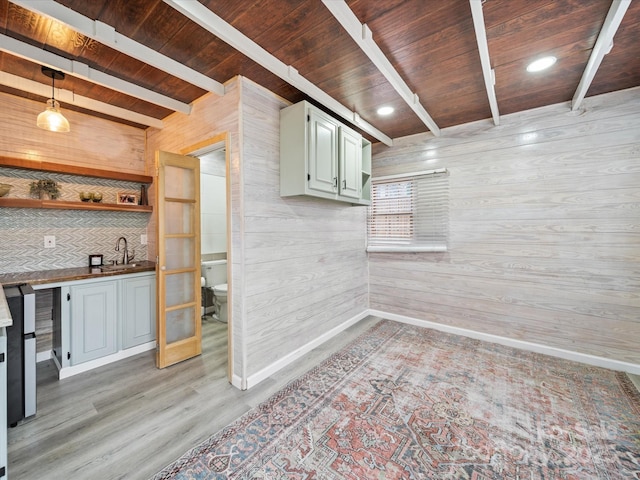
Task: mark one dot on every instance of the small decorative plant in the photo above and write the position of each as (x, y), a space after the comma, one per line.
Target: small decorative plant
(40, 187)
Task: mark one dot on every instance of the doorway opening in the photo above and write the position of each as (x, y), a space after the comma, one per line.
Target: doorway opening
(215, 243)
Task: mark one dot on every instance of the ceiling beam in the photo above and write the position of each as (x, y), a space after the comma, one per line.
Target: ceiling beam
(68, 97)
(208, 20)
(81, 70)
(361, 34)
(488, 73)
(603, 45)
(107, 35)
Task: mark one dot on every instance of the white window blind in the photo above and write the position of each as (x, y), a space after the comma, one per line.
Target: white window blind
(409, 213)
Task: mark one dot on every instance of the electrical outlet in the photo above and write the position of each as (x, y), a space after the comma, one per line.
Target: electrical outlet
(49, 241)
(143, 239)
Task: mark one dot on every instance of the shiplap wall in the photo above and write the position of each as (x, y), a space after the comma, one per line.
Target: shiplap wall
(299, 268)
(544, 229)
(92, 142)
(305, 266)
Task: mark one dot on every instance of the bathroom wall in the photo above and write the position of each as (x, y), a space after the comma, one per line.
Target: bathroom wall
(213, 205)
(544, 229)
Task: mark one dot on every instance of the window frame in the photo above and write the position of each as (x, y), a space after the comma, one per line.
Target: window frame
(427, 229)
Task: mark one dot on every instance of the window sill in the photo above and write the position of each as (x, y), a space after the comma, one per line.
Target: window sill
(405, 249)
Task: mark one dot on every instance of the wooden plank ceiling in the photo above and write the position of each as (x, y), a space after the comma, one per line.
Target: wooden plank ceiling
(431, 44)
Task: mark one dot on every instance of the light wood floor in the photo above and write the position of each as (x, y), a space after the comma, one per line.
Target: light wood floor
(129, 419)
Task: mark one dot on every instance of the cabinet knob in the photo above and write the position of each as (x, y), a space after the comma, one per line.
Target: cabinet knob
(163, 268)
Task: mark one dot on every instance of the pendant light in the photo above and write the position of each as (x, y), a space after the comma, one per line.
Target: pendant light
(51, 119)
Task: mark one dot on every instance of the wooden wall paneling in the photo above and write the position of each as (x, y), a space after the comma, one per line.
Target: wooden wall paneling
(92, 142)
(305, 263)
(544, 229)
(299, 267)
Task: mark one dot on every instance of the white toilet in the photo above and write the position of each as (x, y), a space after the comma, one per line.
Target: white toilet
(214, 273)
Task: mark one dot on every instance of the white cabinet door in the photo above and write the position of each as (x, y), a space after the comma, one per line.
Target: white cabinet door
(93, 321)
(350, 163)
(323, 152)
(138, 311)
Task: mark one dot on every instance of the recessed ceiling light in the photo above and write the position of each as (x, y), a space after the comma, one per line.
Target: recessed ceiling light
(385, 110)
(541, 64)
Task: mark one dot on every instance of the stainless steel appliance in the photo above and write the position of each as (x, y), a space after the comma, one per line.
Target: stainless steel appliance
(21, 353)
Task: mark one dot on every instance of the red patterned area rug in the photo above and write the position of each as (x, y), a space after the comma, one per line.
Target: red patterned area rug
(404, 402)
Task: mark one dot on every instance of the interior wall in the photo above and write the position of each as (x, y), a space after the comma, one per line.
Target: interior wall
(305, 266)
(213, 213)
(93, 142)
(299, 266)
(544, 229)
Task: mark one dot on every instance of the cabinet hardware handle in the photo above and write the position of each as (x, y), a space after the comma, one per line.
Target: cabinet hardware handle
(68, 297)
(344, 184)
(335, 182)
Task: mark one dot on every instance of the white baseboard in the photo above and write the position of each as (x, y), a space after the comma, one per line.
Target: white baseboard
(257, 377)
(236, 381)
(65, 372)
(520, 344)
(44, 356)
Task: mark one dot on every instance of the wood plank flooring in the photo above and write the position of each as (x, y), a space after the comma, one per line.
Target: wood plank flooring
(129, 419)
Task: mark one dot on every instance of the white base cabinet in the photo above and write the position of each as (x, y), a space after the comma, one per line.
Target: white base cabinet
(104, 320)
(321, 157)
(93, 320)
(138, 310)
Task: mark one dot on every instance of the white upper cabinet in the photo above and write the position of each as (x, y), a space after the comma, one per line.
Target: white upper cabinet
(350, 163)
(321, 157)
(323, 152)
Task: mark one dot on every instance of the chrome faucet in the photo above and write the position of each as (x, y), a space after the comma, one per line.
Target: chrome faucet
(125, 252)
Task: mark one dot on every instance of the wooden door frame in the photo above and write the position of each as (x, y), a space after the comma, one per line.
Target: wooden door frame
(219, 138)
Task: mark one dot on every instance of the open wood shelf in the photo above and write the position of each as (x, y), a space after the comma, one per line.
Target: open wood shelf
(45, 166)
(63, 205)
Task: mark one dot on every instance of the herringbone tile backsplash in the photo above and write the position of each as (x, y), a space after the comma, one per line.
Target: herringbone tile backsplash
(78, 234)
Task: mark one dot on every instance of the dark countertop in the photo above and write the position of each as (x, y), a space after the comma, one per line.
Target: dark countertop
(68, 274)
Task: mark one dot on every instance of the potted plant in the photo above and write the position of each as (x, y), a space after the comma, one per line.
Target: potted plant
(41, 187)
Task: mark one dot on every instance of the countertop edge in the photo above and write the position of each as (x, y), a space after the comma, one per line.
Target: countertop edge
(43, 277)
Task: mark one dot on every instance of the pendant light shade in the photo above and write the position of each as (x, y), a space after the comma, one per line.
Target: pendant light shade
(51, 119)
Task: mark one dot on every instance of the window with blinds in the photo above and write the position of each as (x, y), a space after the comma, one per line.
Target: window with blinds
(409, 213)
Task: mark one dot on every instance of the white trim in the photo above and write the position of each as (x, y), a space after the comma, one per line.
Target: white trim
(485, 61)
(603, 45)
(585, 358)
(44, 356)
(409, 175)
(68, 97)
(211, 22)
(107, 35)
(266, 372)
(363, 37)
(66, 372)
(236, 381)
(404, 249)
(85, 72)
